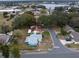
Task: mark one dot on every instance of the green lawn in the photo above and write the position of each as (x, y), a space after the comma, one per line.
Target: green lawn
(46, 33)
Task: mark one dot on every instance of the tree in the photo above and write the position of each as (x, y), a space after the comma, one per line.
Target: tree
(43, 11)
(18, 34)
(5, 51)
(5, 14)
(41, 6)
(33, 6)
(60, 19)
(72, 9)
(11, 16)
(59, 9)
(5, 28)
(29, 12)
(56, 19)
(15, 51)
(45, 21)
(25, 20)
(63, 32)
(74, 22)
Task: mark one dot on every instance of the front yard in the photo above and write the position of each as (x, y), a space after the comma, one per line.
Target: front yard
(45, 45)
(47, 42)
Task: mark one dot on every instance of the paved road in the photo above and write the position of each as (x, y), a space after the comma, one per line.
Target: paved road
(59, 51)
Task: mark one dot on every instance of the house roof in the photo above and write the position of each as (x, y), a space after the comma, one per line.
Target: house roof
(34, 39)
(10, 10)
(4, 38)
(76, 36)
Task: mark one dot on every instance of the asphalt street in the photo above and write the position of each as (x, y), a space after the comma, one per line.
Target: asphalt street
(59, 51)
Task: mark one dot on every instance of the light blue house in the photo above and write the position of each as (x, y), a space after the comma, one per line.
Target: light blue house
(34, 39)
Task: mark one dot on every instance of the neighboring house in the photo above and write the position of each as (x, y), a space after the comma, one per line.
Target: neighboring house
(36, 12)
(34, 39)
(4, 38)
(74, 34)
(10, 10)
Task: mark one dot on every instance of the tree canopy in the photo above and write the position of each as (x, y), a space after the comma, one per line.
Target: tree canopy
(25, 20)
(5, 51)
(45, 21)
(56, 19)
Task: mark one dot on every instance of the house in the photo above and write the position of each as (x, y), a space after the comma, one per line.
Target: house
(4, 38)
(34, 39)
(36, 12)
(10, 10)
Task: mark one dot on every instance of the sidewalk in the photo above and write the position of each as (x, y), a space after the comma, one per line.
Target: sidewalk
(35, 52)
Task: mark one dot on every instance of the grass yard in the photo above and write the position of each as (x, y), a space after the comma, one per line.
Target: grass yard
(46, 33)
(47, 41)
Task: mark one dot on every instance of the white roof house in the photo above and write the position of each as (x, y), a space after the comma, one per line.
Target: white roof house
(34, 39)
(10, 10)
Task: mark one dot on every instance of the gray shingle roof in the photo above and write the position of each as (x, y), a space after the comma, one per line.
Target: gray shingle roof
(4, 38)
